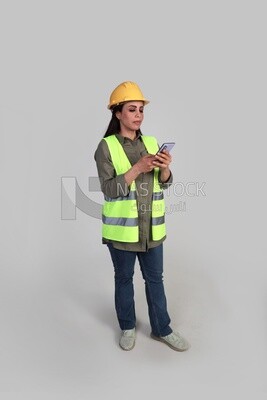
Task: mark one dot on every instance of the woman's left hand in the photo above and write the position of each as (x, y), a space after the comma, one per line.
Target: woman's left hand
(163, 160)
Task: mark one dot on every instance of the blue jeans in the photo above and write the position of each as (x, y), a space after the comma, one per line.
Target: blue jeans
(151, 264)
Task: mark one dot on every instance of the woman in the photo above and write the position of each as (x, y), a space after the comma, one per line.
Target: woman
(132, 180)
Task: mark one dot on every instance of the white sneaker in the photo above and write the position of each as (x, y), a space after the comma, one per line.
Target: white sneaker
(174, 340)
(127, 340)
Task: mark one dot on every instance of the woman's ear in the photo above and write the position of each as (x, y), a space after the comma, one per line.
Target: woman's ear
(118, 114)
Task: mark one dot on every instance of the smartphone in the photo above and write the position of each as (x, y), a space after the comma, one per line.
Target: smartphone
(166, 146)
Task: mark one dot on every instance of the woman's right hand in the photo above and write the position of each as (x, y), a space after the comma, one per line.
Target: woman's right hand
(145, 164)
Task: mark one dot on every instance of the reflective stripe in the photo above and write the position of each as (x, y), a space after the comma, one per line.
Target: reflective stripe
(157, 196)
(158, 220)
(130, 196)
(119, 221)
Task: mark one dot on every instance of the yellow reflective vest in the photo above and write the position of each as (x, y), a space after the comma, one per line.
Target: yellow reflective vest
(120, 215)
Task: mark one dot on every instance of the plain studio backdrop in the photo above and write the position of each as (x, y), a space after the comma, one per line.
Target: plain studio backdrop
(202, 65)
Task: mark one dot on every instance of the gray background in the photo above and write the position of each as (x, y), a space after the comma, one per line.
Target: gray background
(203, 66)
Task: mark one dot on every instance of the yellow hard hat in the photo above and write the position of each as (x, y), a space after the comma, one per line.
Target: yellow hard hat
(126, 91)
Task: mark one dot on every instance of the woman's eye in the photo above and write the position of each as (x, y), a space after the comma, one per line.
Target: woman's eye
(133, 110)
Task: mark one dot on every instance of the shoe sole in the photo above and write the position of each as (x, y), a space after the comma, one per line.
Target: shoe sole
(159, 339)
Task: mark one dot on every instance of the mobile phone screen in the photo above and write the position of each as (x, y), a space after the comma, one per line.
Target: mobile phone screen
(166, 146)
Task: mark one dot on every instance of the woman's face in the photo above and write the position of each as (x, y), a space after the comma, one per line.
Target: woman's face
(131, 115)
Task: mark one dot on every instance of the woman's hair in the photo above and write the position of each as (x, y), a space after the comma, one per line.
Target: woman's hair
(114, 126)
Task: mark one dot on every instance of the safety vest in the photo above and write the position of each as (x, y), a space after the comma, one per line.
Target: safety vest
(120, 215)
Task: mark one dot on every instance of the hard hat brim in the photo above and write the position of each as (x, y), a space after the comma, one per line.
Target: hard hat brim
(110, 106)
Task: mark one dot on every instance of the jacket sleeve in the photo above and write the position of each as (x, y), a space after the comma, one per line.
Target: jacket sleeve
(166, 184)
(112, 185)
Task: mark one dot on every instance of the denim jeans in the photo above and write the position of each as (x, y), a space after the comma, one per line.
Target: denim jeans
(151, 264)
